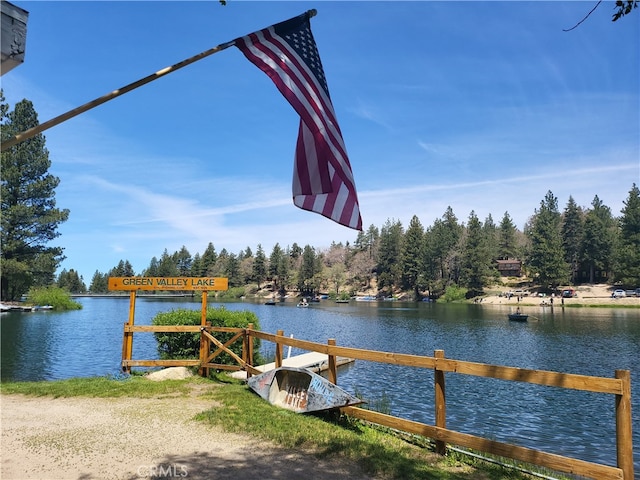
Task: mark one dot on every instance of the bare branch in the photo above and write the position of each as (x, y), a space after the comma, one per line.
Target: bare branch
(585, 17)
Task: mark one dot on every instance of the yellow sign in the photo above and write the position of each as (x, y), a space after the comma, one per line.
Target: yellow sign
(168, 283)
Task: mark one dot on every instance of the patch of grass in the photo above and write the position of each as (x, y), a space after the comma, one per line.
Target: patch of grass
(378, 451)
(102, 387)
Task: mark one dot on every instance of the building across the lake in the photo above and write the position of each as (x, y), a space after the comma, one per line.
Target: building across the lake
(509, 268)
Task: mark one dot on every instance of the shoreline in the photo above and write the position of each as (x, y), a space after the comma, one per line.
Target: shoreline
(598, 295)
(545, 303)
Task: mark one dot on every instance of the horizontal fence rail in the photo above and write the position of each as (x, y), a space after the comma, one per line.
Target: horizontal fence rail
(620, 387)
(539, 377)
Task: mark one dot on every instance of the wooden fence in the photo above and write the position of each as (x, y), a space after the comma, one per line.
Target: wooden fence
(619, 386)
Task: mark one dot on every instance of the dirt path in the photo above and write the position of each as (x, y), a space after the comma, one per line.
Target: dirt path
(131, 438)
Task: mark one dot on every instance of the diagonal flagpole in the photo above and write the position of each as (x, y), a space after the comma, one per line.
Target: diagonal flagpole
(109, 96)
(116, 93)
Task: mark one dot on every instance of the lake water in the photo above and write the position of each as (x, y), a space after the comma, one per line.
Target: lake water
(589, 341)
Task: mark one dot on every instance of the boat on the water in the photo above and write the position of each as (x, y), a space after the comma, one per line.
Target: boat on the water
(366, 298)
(518, 317)
(300, 390)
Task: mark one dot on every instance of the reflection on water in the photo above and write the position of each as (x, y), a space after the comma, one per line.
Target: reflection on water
(87, 342)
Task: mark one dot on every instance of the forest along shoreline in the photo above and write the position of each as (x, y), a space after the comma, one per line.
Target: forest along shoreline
(586, 295)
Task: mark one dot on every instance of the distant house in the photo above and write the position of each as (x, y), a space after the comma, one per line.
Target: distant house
(509, 268)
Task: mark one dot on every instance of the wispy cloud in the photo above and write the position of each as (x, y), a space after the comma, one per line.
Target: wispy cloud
(370, 112)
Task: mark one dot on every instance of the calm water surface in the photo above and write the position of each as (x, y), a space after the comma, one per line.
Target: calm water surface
(88, 342)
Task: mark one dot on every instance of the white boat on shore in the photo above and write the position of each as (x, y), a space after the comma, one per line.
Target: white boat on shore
(23, 308)
(300, 390)
(366, 298)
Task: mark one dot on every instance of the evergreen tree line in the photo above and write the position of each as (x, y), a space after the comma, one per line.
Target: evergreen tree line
(577, 245)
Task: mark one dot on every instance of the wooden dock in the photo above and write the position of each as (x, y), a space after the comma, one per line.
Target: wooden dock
(314, 361)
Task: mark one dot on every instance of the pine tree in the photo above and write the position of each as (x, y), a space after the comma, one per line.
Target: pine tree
(389, 252)
(278, 267)
(259, 270)
(546, 258)
(219, 269)
(412, 256)
(209, 258)
(572, 232)
(507, 243)
(490, 232)
(627, 257)
(153, 268)
(597, 241)
(30, 218)
(444, 238)
(123, 269)
(71, 281)
(99, 283)
(196, 266)
(183, 261)
(476, 264)
(167, 265)
(309, 268)
(232, 271)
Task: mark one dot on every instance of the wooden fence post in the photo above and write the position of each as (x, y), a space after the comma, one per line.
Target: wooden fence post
(333, 369)
(127, 340)
(205, 351)
(204, 341)
(624, 441)
(247, 348)
(279, 350)
(440, 402)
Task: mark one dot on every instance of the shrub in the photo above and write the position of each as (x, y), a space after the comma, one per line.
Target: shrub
(57, 297)
(231, 294)
(187, 344)
(454, 293)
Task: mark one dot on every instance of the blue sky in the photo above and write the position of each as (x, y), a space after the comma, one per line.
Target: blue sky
(481, 106)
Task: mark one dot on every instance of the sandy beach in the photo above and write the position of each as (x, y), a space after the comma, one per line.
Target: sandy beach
(587, 295)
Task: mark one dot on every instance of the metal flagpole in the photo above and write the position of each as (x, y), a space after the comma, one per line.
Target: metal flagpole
(116, 93)
(109, 96)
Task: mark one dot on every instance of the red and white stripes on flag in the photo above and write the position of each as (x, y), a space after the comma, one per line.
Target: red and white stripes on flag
(322, 177)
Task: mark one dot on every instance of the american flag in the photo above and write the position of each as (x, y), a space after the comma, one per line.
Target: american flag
(322, 177)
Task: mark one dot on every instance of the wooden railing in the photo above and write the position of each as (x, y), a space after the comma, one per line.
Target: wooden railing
(206, 358)
(620, 387)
